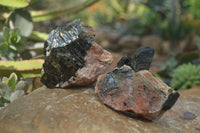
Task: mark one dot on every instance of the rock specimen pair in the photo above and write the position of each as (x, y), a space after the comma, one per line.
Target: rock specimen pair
(72, 58)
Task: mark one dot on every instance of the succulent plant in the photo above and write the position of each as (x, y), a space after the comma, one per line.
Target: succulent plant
(185, 76)
(12, 46)
(11, 89)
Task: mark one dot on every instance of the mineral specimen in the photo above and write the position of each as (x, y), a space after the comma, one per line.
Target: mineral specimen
(130, 88)
(72, 57)
(141, 61)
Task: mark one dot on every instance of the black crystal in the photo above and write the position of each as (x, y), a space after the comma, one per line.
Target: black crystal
(172, 98)
(114, 79)
(64, 51)
(141, 61)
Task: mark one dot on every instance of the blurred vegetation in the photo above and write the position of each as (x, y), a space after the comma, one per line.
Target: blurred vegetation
(11, 89)
(185, 76)
(173, 20)
(170, 70)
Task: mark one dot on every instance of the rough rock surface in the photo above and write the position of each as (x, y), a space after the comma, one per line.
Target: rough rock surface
(79, 111)
(67, 51)
(139, 94)
(96, 62)
(133, 90)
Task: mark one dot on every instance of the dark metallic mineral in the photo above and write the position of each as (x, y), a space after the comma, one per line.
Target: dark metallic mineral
(64, 51)
(133, 90)
(72, 57)
(141, 61)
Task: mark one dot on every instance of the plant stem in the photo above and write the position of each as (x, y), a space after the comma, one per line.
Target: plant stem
(45, 15)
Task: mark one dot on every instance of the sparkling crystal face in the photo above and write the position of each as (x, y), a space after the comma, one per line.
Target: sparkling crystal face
(63, 36)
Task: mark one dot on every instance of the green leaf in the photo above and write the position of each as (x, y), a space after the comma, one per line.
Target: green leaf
(22, 19)
(3, 48)
(17, 65)
(19, 46)
(16, 39)
(198, 46)
(22, 85)
(1, 37)
(5, 80)
(30, 68)
(12, 47)
(16, 94)
(6, 34)
(14, 3)
(12, 81)
(1, 102)
(5, 9)
(5, 91)
(16, 32)
(15, 36)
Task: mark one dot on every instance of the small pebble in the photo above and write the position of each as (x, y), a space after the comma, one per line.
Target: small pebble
(188, 116)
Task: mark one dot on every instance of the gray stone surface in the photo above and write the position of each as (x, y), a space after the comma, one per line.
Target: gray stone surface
(79, 111)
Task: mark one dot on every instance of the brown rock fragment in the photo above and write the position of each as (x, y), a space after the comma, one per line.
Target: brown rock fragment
(139, 93)
(132, 89)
